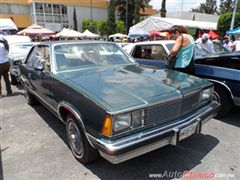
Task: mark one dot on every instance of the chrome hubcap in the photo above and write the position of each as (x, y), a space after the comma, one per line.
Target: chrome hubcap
(75, 138)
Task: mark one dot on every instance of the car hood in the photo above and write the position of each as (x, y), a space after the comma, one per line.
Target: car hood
(121, 87)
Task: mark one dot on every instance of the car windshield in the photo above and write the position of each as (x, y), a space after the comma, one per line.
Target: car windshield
(199, 51)
(20, 50)
(75, 56)
(219, 49)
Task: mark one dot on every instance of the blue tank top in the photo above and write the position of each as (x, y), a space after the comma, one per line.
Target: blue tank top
(185, 54)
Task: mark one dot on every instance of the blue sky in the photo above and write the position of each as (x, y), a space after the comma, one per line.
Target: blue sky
(175, 5)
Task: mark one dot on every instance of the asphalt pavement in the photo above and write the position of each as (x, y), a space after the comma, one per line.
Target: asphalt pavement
(34, 147)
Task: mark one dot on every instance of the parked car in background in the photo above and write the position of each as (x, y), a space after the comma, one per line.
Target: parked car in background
(12, 39)
(110, 105)
(221, 67)
(17, 53)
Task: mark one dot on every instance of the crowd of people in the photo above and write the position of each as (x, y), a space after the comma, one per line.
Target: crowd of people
(181, 53)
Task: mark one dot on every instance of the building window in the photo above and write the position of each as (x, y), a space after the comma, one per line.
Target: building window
(64, 9)
(48, 8)
(39, 7)
(56, 9)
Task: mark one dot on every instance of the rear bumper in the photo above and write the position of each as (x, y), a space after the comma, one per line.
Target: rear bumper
(135, 145)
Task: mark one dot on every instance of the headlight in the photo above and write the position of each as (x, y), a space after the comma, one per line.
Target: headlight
(126, 121)
(206, 94)
(121, 122)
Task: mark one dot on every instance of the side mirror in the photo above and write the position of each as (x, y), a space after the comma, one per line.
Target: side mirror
(39, 66)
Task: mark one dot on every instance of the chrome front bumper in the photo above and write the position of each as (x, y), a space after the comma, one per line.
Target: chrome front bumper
(120, 150)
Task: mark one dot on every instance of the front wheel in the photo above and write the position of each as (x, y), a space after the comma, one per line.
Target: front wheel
(222, 96)
(78, 142)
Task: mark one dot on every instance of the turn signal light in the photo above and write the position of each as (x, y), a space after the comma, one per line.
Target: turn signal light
(107, 126)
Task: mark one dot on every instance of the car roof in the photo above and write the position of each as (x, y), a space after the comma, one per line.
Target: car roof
(155, 42)
(52, 43)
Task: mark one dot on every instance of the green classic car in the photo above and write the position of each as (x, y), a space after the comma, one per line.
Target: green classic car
(111, 105)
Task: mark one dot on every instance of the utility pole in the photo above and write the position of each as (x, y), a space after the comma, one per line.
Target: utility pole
(234, 14)
(91, 12)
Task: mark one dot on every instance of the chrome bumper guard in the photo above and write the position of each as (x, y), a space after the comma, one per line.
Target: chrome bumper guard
(120, 150)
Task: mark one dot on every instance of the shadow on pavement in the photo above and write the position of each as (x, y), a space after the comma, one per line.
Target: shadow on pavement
(14, 94)
(19, 86)
(52, 121)
(169, 159)
(233, 117)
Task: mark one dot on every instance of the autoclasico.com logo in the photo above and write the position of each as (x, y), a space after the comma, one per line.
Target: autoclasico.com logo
(191, 175)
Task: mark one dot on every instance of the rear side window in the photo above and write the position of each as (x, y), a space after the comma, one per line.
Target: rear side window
(151, 52)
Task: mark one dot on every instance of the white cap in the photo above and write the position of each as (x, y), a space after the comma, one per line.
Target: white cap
(205, 36)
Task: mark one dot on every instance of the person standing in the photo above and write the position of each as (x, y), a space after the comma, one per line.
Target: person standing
(206, 43)
(4, 65)
(183, 50)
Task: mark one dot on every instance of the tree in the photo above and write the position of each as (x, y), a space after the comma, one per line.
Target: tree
(226, 6)
(120, 27)
(102, 27)
(128, 10)
(90, 25)
(209, 7)
(111, 22)
(75, 26)
(224, 22)
(163, 10)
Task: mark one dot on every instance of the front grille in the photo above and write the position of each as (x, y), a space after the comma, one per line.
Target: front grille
(190, 102)
(163, 112)
(174, 109)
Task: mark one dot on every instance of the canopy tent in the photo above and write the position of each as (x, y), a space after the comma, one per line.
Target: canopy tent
(118, 35)
(69, 33)
(213, 34)
(89, 34)
(35, 29)
(139, 32)
(7, 24)
(162, 24)
(234, 31)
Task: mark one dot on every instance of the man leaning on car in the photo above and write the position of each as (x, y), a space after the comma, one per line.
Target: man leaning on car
(4, 65)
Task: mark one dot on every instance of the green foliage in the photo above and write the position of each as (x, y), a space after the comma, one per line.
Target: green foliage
(224, 22)
(226, 6)
(209, 7)
(111, 22)
(120, 27)
(131, 8)
(163, 10)
(90, 25)
(102, 27)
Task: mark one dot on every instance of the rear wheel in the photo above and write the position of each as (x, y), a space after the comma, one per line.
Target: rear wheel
(13, 79)
(222, 96)
(78, 142)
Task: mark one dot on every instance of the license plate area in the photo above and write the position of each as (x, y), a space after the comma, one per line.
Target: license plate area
(187, 131)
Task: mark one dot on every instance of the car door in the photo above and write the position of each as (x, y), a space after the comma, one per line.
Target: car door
(28, 74)
(150, 55)
(45, 76)
(38, 79)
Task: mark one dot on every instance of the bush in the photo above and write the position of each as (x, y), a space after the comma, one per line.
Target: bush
(224, 23)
